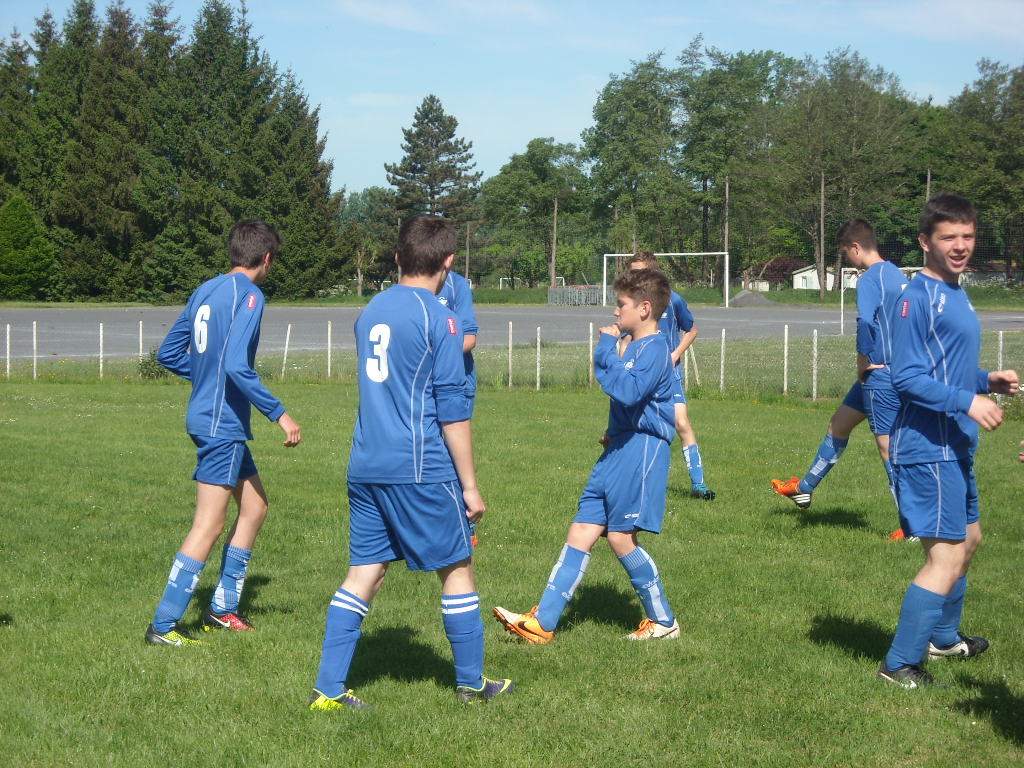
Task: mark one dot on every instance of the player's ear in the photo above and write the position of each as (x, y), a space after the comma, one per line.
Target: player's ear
(922, 240)
(448, 261)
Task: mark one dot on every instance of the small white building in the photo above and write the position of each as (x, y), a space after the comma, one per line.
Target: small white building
(807, 278)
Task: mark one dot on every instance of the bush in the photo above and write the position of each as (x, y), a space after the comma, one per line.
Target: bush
(149, 368)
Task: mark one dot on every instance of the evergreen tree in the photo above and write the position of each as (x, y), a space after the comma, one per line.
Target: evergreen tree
(15, 111)
(26, 256)
(435, 174)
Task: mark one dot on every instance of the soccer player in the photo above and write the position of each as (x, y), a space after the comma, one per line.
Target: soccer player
(935, 348)
(676, 323)
(412, 487)
(458, 297)
(872, 396)
(213, 345)
(626, 491)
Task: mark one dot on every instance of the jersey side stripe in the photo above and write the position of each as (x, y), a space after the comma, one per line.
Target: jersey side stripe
(220, 362)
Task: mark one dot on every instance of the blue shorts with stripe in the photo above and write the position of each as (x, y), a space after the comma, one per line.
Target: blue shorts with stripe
(222, 462)
(626, 490)
(679, 396)
(879, 404)
(937, 500)
(424, 524)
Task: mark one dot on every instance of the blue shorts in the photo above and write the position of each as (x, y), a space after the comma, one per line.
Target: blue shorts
(626, 490)
(937, 500)
(679, 396)
(424, 524)
(222, 462)
(879, 404)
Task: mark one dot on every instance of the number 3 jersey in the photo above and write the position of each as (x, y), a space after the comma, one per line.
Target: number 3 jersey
(411, 380)
(213, 344)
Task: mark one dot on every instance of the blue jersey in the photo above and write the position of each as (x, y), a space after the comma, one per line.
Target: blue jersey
(411, 380)
(878, 291)
(935, 347)
(213, 344)
(641, 384)
(458, 297)
(676, 319)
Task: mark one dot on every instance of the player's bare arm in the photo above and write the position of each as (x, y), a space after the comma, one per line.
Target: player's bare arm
(458, 436)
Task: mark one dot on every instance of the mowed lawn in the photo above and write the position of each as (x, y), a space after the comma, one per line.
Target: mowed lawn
(785, 614)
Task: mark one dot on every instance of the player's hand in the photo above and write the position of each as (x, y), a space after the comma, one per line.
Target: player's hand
(1003, 382)
(611, 330)
(475, 506)
(604, 440)
(862, 374)
(985, 412)
(292, 433)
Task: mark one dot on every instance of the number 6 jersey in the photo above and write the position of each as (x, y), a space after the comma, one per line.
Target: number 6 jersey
(411, 379)
(213, 344)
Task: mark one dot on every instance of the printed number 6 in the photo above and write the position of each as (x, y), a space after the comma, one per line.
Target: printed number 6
(202, 316)
(377, 366)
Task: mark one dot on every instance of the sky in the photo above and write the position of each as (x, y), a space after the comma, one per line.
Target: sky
(516, 70)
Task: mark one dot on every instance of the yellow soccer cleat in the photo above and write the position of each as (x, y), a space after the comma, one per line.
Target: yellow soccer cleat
(652, 630)
(348, 700)
(524, 625)
(175, 636)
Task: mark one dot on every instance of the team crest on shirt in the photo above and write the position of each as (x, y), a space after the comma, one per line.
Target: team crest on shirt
(451, 327)
(628, 366)
(906, 308)
(251, 304)
(443, 300)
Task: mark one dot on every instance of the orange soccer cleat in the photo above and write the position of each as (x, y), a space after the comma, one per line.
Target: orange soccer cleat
(791, 490)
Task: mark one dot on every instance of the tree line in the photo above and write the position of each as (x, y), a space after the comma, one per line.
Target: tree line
(128, 148)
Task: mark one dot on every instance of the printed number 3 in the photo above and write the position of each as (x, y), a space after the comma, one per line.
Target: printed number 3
(377, 365)
(202, 316)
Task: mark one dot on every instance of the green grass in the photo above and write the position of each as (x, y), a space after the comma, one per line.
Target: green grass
(785, 613)
(987, 298)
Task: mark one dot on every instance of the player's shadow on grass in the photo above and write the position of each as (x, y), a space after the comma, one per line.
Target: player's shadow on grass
(835, 517)
(859, 638)
(396, 653)
(6, 620)
(605, 604)
(248, 605)
(996, 702)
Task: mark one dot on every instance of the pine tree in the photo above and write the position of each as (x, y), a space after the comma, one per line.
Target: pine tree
(435, 175)
(26, 256)
(15, 111)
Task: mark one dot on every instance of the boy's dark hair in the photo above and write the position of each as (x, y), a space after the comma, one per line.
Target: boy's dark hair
(646, 285)
(424, 242)
(646, 257)
(250, 240)
(860, 232)
(946, 207)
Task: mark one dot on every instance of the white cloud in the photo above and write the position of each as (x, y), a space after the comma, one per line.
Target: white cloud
(401, 15)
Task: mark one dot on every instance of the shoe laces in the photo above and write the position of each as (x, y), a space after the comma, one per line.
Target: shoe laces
(645, 625)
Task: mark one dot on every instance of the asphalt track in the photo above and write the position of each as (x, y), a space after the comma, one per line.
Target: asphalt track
(69, 333)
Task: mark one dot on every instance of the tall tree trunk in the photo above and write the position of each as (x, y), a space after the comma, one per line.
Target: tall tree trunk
(819, 246)
(554, 244)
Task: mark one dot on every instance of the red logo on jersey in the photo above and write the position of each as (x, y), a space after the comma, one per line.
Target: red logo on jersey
(252, 301)
(451, 327)
(906, 308)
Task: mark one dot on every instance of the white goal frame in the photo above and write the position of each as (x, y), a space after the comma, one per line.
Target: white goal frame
(908, 271)
(725, 274)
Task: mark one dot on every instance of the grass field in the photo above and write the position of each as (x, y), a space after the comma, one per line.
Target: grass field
(785, 614)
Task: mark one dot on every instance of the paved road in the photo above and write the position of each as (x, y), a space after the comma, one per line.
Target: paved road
(64, 333)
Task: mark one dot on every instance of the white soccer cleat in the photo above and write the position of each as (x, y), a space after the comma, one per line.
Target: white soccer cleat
(652, 630)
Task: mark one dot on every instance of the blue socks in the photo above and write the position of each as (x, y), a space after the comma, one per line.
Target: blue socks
(693, 464)
(892, 482)
(180, 585)
(565, 577)
(829, 451)
(465, 630)
(921, 612)
(947, 631)
(648, 585)
(345, 617)
(232, 579)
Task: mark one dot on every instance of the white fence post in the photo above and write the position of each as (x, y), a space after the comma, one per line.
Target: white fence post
(35, 351)
(287, 340)
(538, 358)
(328, 349)
(590, 357)
(8, 350)
(140, 340)
(814, 365)
(999, 361)
(101, 350)
(686, 368)
(693, 359)
(842, 304)
(510, 354)
(721, 365)
(785, 359)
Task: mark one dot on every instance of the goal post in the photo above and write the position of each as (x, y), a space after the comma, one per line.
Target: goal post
(605, 272)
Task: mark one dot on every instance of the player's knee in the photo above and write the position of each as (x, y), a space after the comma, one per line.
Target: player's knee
(621, 543)
(255, 511)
